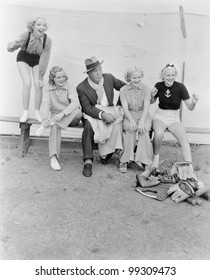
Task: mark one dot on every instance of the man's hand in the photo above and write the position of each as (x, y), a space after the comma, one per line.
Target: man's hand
(108, 118)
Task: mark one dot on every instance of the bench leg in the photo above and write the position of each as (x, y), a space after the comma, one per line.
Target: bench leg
(24, 138)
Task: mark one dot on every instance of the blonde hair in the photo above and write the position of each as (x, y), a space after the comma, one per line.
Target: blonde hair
(168, 66)
(131, 70)
(53, 72)
(32, 20)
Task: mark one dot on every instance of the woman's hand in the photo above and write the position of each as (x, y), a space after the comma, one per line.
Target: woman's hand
(132, 126)
(46, 123)
(141, 127)
(194, 99)
(154, 91)
(11, 46)
(58, 117)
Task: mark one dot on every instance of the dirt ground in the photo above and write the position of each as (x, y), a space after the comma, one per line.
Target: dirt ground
(63, 215)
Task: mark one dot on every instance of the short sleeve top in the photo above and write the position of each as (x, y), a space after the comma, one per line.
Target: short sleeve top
(170, 97)
(135, 97)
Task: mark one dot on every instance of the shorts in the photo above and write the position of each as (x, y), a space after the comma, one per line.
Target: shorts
(29, 58)
(168, 117)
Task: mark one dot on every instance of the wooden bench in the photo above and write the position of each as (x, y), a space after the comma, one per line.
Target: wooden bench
(26, 140)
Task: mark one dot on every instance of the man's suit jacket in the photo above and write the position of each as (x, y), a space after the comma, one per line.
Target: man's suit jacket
(88, 96)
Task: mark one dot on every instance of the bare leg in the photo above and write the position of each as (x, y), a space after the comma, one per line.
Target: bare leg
(159, 129)
(25, 74)
(38, 90)
(179, 133)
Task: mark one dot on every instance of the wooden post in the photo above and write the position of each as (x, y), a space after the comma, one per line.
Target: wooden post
(24, 138)
(183, 28)
(183, 73)
(181, 12)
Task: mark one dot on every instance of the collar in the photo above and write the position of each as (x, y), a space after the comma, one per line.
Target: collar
(95, 86)
(130, 87)
(34, 36)
(53, 87)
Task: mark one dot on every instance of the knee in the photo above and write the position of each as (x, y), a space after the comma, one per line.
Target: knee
(27, 85)
(78, 114)
(158, 134)
(77, 117)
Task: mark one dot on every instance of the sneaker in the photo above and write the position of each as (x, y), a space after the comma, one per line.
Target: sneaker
(40, 130)
(54, 163)
(123, 167)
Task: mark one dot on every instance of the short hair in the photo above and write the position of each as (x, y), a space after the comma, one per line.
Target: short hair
(31, 21)
(53, 72)
(131, 70)
(168, 66)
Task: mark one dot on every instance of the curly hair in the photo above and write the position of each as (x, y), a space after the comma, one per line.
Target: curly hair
(31, 21)
(53, 72)
(168, 66)
(131, 70)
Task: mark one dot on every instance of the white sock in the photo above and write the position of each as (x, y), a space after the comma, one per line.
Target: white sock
(24, 116)
(88, 161)
(156, 157)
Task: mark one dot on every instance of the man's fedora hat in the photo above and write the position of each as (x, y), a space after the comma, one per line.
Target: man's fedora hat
(92, 63)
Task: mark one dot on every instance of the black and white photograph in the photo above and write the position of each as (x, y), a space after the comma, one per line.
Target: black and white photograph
(105, 136)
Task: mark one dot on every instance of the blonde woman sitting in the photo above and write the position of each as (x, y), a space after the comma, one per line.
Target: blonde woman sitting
(135, 99)
(170, 94)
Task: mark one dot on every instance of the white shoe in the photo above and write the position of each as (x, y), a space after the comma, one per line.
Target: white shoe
(54, 163)
(155, 162)
(38, 116)
(24, 116)
(40, 130)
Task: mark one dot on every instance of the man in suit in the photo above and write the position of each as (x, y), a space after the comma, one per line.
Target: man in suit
(96, 89)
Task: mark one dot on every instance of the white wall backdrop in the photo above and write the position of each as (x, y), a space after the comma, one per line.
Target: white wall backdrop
(149, 40)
